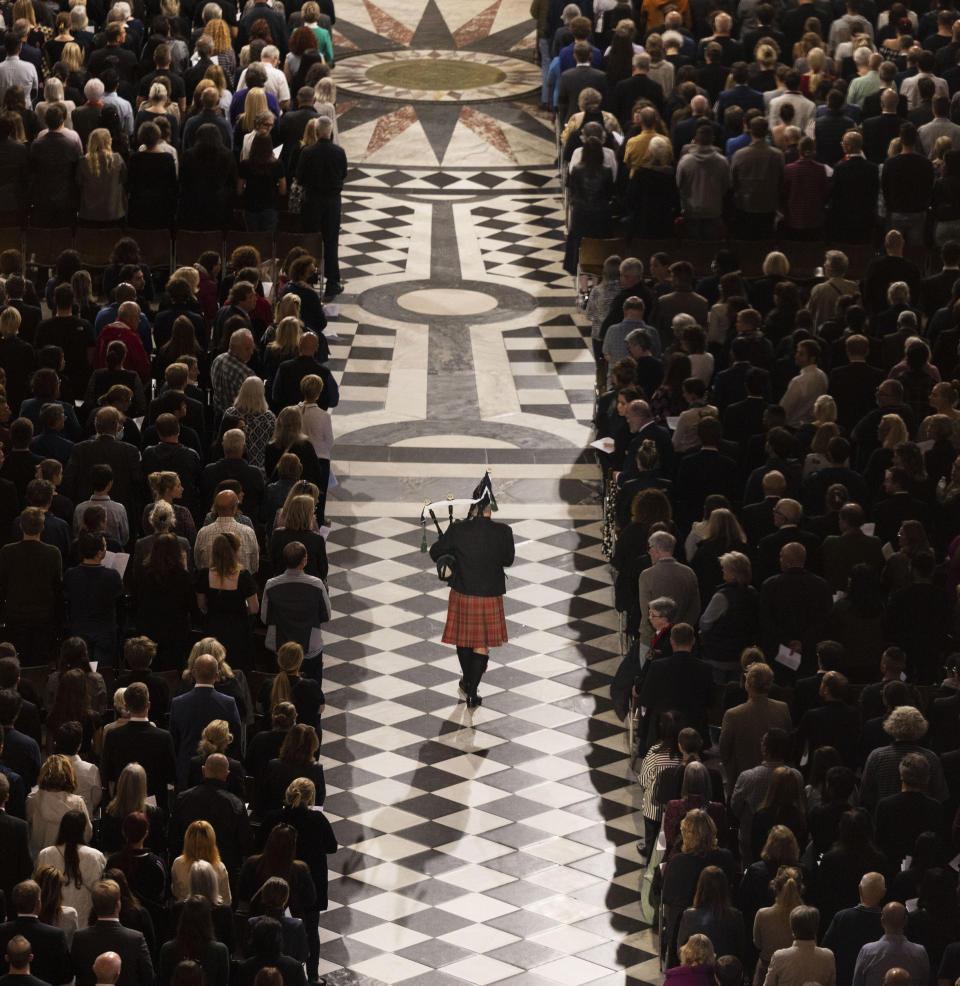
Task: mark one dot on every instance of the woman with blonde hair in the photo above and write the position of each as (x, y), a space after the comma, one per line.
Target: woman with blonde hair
(219, 33)
(17, 358)
(326, 103)
(52, 909)
(816, 459)
(771, 926)
(72, 57)
(217, 738)
(698, 964)
(254, 105)
(166, 487)
(723, 534)
(159, 103)
(298, 522)
(81, 865)
(891, 431)
(290, 685)
(817, 71)
(130, 795)
(286, 338)
(682, 873)
(199, 843)
(217, 76)
(250, 406)
(780, 849)
(227, 598)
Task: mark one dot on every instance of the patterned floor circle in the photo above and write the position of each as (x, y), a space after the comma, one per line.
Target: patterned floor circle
(437, 76)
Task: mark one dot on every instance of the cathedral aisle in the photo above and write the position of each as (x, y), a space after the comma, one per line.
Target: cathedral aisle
(495, 845)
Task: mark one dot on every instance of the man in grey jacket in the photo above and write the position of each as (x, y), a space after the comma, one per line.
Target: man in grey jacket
(756, 175)
(703, 177)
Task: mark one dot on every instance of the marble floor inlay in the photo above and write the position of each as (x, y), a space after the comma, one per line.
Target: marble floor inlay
(498, 845)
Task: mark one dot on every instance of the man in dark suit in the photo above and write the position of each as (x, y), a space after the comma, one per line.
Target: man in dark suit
(793, 611)
(15, 861)
(51, 961)
(757, 518)
(740, 94)
(878, 131)
(574, 80)
(292, 124)
(19, 465)
(109, 935)
(681, 683)
(139, 741)
(834, 723)
(729, 385)
(19, 955)
(937, 289)
(138, 653)
(204, 51)
(704, 472)
(787, 517)
(835, 471)
(744, 418)
(191, 713)
(28, 719)
(901, 817)
(170, 455)
(637, 86)
(828, 130)
(642, 426)
(175, 400)
(889, 400)
(853, 927)
(854, 385)
(286, 382)
(899, 505)
(18, 752)
(234, 466)
(122, 457)
(806, 691)
(851, 547)
(212, 801)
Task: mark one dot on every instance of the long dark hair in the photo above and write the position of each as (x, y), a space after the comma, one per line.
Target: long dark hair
(261, 154)
(279, 853)
(592, 159)
(70, 835)
(194, 929)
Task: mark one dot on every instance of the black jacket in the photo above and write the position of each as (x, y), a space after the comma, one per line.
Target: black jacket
(211, 800)
(794, 606)
(682, 682)
(51, 958)
(111, 936)
(249, 477)
(481, 549)
(145, 744)
(15, 861)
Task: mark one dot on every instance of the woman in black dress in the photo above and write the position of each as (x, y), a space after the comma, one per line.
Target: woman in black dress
(480, 550)
(298, 758)
(289, 685)
(208, 180)
(261, 181)
(151, 183)
(163, 601)
(227, 597)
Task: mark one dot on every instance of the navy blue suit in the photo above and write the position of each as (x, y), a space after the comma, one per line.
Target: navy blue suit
(190, 714)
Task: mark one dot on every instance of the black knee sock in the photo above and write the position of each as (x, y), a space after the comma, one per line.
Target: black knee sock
(464, 656)
(478, 664)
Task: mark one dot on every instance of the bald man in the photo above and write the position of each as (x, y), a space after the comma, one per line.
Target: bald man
(124, 329)
(892, 951)
(312, 353)
(212, 801)
(787, 518)
(225, 507)
(192, 712)
(854, 927)
(107, 968)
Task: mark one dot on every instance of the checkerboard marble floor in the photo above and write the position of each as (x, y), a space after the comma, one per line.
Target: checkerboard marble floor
(489, 846)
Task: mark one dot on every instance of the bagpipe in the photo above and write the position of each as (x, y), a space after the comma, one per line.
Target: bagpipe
(482, 494)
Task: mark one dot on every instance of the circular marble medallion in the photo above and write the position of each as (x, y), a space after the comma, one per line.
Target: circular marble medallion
(437, 76)
(446, 301)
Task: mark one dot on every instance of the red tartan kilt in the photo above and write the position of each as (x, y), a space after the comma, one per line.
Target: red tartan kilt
(475, 621)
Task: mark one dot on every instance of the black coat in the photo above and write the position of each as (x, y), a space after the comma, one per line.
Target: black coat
(901, 818)
(249, 477)
(481, 549)
(316, 841)
(768, 551)
(286, 382)
(681, 682)
(212, 801)
(794, 606)
(110, 936)
(143, 743)
(15, 861)
(628, 91)
(51, 958)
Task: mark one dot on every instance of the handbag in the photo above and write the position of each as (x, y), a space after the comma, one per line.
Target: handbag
(295, 196)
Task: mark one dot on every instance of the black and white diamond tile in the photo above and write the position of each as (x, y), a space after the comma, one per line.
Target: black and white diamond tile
(553, 366)
(523, 238)
(453, 180)
(376, 233)
(493, 846)
(360, 359)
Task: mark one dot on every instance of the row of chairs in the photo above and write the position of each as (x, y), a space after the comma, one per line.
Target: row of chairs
(805, 257)
(162, 249)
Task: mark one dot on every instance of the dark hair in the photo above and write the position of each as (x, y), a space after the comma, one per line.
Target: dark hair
(70, 835)
(194, 929)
